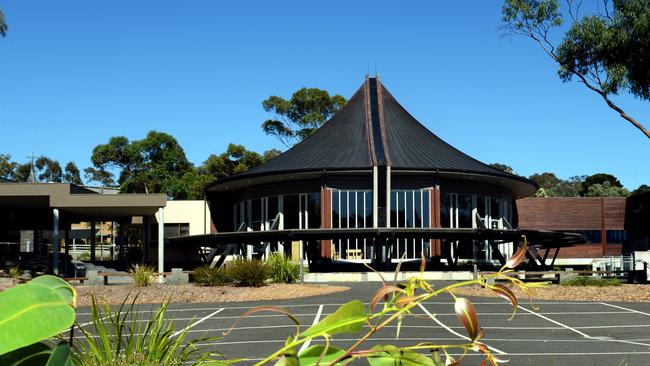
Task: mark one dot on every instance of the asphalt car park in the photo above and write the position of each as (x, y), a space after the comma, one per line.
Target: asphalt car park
(553, 333)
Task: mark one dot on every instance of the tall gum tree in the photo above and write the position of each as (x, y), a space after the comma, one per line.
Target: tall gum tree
(607, 51)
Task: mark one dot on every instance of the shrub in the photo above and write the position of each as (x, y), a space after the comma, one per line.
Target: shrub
(591, 281)
(210, 276)
(253, 273)
(126, 336)
(15, 272)
(143, 274)
(283, 269)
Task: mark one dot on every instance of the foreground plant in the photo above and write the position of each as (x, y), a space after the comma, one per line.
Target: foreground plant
(127, 337)
(30, 315)
(398, 300)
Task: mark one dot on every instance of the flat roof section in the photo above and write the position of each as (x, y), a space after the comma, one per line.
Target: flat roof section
(79, 200)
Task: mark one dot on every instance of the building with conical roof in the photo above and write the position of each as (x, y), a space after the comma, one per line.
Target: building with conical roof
(372, 165)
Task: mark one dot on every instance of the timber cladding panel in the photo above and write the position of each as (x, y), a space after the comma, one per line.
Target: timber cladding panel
(571, 213)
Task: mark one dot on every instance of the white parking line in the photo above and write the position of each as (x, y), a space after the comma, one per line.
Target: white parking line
(605, 339)
(316, 320)
(453, 331)
(198, 322)
(212, 308)
(629, 310)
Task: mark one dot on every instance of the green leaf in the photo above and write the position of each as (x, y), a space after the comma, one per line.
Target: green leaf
(392, 355)
(61, 355)
(35, 354)
(311, 355)
(39, 354)
(61, 286)
(289, 359)
(32, 312)
(349, 318)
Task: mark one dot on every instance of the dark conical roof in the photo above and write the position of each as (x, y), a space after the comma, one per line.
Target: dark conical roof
(374, 129)
(351, 140)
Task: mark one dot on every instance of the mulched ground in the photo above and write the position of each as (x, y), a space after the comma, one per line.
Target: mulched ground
(623, 293)
(189, 293)
(198, 294)
(115, 294)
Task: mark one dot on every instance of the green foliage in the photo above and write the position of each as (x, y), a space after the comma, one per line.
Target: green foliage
(7, 166)
(151, 165)
(348, 318)
(283, 269)
(29, 313)
(14, 272)
(298, 117)
(249, 273)
(399, 300)
(591, 281)
(210, 276)
(545, 180)
(319, 355)
(143, 274)
(502, 167)
(606, 51)
(605, 190)
(236, 159)
(71, 174)
(48, 170)
(101, 176)
(127, 337)
(599, 178)
(39, 354)
(642, 189)
(391, 355)
(3, 25)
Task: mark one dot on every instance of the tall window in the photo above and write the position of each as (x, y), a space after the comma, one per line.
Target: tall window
(352, 209)
(410, 208)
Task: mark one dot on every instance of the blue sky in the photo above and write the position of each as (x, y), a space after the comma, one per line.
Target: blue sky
(76, 72)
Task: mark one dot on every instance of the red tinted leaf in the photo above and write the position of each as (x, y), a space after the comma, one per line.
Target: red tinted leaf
(519, 255)
(467, 315)
(507, 294)
(405, 300)
(382, 293)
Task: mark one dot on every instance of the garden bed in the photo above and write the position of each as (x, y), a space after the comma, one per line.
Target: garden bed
(201, 294)
(622, 293)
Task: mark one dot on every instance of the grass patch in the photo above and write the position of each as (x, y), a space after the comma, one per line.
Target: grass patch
(591, 281)
(283, 269)
(210, 276)
(143, 274)
(248, 273)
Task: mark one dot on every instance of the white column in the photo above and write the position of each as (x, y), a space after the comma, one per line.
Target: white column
(55, 241)
(389, 204)
(161, 243)
(375, 195)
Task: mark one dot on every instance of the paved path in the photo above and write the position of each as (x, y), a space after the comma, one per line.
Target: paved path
(559, 333)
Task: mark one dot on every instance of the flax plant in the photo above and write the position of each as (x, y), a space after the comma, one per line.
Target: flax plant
(125, 336)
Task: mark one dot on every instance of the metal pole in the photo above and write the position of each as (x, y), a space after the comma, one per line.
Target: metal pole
(93, 240)
(161, 244)
(302, 270)
(55, 241)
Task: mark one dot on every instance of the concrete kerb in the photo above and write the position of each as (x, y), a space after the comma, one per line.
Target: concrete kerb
(93, 278)
(178, 277)
(388, 276)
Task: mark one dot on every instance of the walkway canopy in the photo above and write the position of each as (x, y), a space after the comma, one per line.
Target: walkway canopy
(54, 206)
